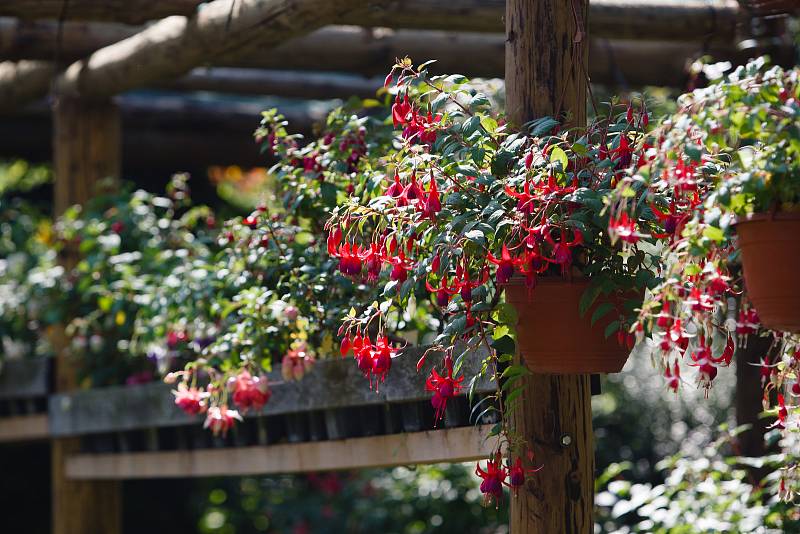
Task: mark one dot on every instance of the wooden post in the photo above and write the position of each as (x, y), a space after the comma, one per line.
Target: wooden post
(86, 149)
(546, 66)
(748, 395)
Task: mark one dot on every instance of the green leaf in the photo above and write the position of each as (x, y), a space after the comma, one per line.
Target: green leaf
(611, 328)
(601, 311)
(504, 345)
(588, 298)
(714, 233)
(558, 155)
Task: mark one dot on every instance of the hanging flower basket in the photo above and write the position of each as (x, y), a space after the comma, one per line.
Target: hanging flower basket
(770, 247)
(554, 338)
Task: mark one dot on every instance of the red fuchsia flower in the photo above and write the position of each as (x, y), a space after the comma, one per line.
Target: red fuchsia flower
(673, 377)
(373, 261)
(431, 204)
(400, 267)
(623, 154)
(493, 479)
(717, 283)
(463, 285)
(250, 391)
(191, 400)
(374, 360)
(505, 264)
(562, 250)
(444, 388)
(675, 338)
(525, 200)
(533, 263)
(251, 221)
(400, 110)
(550, 187)
(220, 419)
(707, 371)
(623, 228)
(117, 227)
(683, 177)
(783, 414)
(517, 474)
(672, 221)
(700, 302)
(443, 292)
(334, 241)
(350, 259)
(748, 322)
(396, 188)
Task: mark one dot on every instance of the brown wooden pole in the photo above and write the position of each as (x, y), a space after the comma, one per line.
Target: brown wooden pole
(546, 62)
(86, 150)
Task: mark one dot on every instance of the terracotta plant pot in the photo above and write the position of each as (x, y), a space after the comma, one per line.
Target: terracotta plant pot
(770, 246)
(554, 338)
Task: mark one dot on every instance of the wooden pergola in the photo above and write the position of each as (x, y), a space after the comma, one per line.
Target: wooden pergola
(88, 57)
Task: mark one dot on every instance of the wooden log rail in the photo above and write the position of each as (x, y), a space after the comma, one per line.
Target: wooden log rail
(445, 445)
(24, 385)
(368, 53)
(680, 20)
(331, 385)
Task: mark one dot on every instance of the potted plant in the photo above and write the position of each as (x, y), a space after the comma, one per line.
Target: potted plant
(501, 233)
(722, 183)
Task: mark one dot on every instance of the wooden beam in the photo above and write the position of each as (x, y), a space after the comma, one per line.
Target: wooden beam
(86, 150)
(680, 20)
(127, 11)
(24, 379)
(22, 82)
(175, 45)
(369, 52)
(294, 84)
(546, 64)
(47, 39)
(436, 446)
(23, 428)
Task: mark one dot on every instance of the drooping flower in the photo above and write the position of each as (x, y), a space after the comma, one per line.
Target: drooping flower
(431, 204)
(505, 264)
(400, 110)
(250, 392)
(220, 419)
(517, 474)
(493, 479)
(191, 400)
(296, 363)
(444, 388)
(396, 188)
(673, 377)
(623, 228)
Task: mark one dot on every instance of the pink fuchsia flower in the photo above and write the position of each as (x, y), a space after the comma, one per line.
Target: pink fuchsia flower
(400, 110)
(493, 479)
(431, 203)
(220, 419)
(396, 188)
(250, 392)
(673, 377)
(783, 414)
(296, 363)
(191, 400)
(444, 388)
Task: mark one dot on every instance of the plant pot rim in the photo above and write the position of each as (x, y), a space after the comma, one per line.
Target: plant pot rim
(518, 280)
(768, 216)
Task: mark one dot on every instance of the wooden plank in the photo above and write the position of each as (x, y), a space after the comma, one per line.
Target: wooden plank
(128, 11)
(331, 384)
(435, 446)
(175, 45)
(24, 379)
(696, 20)
(23, 428)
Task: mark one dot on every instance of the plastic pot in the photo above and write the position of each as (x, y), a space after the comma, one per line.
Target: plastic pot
(770, 249)
(554, 338)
